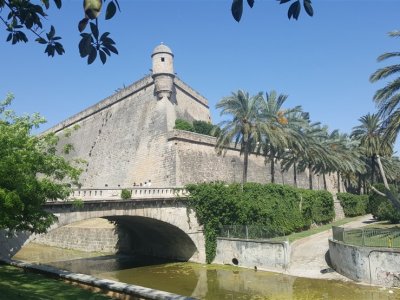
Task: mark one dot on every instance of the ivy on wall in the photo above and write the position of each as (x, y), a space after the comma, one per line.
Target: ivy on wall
(282, 208)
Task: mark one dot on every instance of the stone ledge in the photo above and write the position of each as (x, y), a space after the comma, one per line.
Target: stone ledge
(104, 284)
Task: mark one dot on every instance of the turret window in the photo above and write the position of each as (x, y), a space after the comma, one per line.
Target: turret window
(162, 59)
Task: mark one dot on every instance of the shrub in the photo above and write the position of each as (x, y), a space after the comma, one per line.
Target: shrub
(380, 206)
(281, 208)
(126, 194)
(202, 127)
(353, 205)
(183, 125)
(317, 206)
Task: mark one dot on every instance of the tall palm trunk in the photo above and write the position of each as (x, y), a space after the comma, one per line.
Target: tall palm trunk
(359, 182)
(373, 169)
(310, 177)
(295, 173)
(271, 157)
(338, 182)
(324, 178)
(245, 163)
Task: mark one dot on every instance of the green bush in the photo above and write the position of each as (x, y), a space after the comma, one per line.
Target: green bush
(126, 194)
(380, 206)
(317, 206)
(183, 125)
(353, 205)
(281, 208)
(203, 127)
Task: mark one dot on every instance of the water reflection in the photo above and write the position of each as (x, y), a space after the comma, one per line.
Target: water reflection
(201, 281)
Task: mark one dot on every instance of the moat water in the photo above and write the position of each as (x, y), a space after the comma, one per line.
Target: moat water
(211, 282)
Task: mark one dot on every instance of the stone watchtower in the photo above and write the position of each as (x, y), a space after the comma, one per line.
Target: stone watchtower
(163, 71)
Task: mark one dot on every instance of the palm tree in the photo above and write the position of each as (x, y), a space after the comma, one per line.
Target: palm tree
(277, 126)
(297, 142)
(372, 142)
(388, 97)
(244, 128)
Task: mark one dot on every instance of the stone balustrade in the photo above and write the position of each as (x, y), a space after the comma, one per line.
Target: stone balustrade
(137, 193)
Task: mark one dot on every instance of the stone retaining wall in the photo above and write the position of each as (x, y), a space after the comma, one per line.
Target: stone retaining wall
(103, 239)
(370, 265)
(263, 255)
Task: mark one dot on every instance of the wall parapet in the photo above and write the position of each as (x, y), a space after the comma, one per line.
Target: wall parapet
(137, 193)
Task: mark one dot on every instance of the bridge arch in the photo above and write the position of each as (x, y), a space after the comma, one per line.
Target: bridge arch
(152, 222)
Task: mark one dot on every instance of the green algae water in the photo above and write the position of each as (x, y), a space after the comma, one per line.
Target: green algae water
(211, 282)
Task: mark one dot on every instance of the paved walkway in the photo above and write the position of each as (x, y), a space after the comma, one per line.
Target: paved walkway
(308, 255)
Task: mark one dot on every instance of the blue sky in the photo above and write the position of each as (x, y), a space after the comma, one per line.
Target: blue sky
(323, 63)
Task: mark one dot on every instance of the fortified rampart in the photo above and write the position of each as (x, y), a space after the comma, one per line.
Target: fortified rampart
(128, 138)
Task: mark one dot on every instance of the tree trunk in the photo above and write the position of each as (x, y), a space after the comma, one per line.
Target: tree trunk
(271, 157)
(395, 202)
(295, 174)
(310, 179)
(373, 169)
(245, 164)
(324, 178)
(338, 182)
(359, 184)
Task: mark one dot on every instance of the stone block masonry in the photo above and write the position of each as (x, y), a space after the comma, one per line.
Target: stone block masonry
(94, 235)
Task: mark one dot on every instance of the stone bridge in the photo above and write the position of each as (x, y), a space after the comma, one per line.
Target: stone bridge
(159, 222)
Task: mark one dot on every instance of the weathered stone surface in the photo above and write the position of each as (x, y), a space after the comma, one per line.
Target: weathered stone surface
(257, 254)
(162, 228)
(128, 138)
(371, 265)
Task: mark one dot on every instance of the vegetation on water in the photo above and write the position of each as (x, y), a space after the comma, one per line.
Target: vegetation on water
(16, 284)
(281, 208)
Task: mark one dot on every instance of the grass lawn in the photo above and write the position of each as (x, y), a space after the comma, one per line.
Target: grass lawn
(299, 235)
(18, 284)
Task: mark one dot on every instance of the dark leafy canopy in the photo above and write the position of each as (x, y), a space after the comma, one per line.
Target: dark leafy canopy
(21, 17)
(293, 11)
(27, 16)
(30, 173)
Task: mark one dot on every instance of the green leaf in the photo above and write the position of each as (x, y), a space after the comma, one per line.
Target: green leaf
(59, 48)
(41, 40)
(95, 30)
(294, 10)
(106, 51)
(308, 7)
(85, 45)
(9, 37)
(111, 10)
(103, 57)
(92, 55)
(104, 35)
(51, 33)
(284, 1)
(237, 9)
(112, 48)
(46, 3)
(250, 3)
(82, 24)
(58, 3)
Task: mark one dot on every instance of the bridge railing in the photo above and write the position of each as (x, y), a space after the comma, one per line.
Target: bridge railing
(137, 193)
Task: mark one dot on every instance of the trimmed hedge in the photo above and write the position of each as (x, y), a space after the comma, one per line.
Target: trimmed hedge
(282, 208)
(353, 205)
(380, 206)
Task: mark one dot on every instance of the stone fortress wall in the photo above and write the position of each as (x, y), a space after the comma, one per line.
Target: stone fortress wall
(128, 138)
